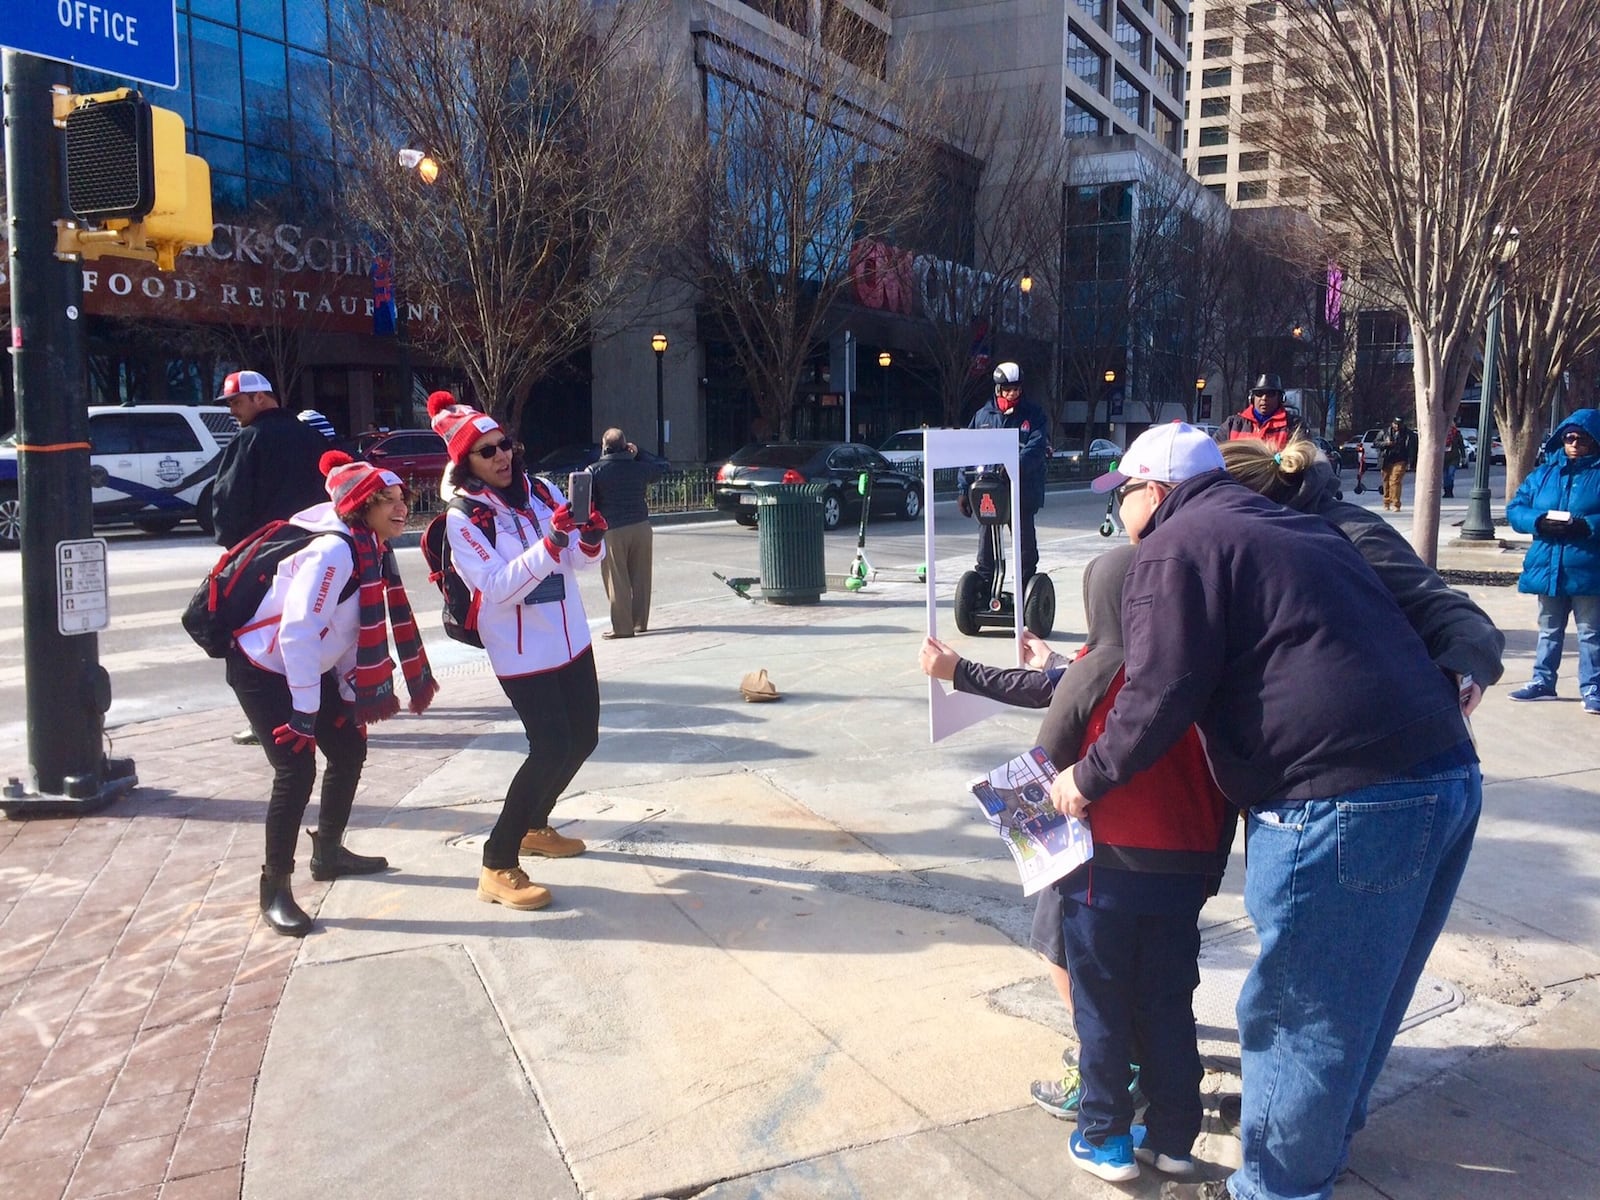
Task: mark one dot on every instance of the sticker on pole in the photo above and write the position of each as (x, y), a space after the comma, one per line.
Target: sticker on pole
(82, 599)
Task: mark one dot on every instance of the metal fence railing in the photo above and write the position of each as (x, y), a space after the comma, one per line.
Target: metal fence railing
(677, 491)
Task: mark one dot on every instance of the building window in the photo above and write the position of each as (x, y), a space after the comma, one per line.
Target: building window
(1219, 47)
(1253, 160)
(1214, 106)
(1164, 126)
(1128, 97)
(1262, 43)
(1131, 39)
(1258, 72)
(1214, 135)
(1212, 164)
(1252, 189)
(1081, 121)
(1216, 77)
(1085, 61)
(1175, 22)
(1169, 73)
(1294, 185)
(1218, 189)
(1256, 102)
(1219, 18)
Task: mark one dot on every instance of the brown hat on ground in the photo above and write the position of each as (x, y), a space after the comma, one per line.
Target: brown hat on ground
(757, 688)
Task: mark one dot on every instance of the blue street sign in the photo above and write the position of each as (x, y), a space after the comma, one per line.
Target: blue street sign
(137, 39)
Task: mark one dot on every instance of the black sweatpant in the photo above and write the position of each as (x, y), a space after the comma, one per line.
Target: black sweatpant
(264, 696)
(560, 713)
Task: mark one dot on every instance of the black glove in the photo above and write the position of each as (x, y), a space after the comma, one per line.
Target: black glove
(1560, 531)
(299, 733)
(963, 504)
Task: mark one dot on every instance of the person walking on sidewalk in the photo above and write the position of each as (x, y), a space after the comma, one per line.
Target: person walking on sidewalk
(311, 668)
(622, 480)
(1455, 457)
(514, 543)
(1559, 503)
(1397, 454)
(1356, 818)
(268, 472)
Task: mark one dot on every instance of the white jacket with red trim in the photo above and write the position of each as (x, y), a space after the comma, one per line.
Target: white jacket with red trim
(529, 613)
(301, 628)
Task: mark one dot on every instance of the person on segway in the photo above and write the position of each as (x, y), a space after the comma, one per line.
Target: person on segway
(1008, 410)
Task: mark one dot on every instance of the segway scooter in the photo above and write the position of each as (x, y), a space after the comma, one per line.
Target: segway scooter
(979, 606)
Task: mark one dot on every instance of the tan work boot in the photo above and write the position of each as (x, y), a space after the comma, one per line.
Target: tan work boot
(550, 844)
(511, 887)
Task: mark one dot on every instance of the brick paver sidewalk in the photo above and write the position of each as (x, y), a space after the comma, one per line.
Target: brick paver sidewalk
(137, 985)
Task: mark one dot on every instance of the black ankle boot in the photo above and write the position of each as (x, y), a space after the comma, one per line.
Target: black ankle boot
(279, 908)
(329, 858)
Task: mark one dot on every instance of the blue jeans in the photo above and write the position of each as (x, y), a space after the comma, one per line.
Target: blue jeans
(1348, 895)
(1553, 612)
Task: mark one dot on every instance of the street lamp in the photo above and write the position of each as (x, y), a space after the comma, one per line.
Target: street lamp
(1025, 284)
(1110, 377)
(885, 359)
(1479, 525)
(426, 167)
(658, 343)
(1199, 390)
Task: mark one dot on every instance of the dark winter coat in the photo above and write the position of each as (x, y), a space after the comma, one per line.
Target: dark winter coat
(1562, 564)
(268, 472)
(622, 483)
(1033, 428)
(1267, 629)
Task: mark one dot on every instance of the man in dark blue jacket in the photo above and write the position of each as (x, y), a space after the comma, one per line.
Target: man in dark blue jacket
(1257, 623)
(1008, 410)
(622, 478)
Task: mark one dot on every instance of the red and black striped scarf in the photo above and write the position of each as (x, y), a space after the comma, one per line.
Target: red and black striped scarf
(374, 681)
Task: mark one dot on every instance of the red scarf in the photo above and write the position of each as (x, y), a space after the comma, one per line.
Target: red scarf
(374, 679)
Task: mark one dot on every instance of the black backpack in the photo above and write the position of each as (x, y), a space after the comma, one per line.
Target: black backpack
(459, 619)
(235, 587)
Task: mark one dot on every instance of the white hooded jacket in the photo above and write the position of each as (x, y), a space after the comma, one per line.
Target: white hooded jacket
(529, 613)
(301, 628)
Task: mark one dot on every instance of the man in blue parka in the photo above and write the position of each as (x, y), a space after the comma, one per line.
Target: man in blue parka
(1008, 410)
(1559, 503)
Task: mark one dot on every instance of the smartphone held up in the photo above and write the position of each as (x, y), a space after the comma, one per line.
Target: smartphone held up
(579, 495)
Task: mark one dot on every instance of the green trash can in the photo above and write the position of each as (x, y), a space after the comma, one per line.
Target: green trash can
(790, 523)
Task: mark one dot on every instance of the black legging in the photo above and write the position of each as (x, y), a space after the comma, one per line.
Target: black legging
(560, 713)
(264, 696)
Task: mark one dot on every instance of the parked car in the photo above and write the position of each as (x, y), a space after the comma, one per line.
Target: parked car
(150, 466)
(1497, 449)
(418, 456)
(904, 449)
(1102, 453)
(837, 464)
(564, 460)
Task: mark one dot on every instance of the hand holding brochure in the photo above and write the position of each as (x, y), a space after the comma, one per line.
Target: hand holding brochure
(1015, 798)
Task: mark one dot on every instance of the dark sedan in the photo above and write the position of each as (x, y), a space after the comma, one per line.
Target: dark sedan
(837, 464)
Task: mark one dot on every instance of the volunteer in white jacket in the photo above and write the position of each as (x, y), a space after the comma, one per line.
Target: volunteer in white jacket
(532, 623)
(312, 668)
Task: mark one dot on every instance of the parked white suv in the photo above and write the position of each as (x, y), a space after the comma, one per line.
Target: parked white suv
(150, 465)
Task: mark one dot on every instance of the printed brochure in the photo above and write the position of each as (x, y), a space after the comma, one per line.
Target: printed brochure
(1015, 799)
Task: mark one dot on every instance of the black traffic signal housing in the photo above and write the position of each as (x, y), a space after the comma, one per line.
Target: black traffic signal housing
(129, 178)
(110, 157)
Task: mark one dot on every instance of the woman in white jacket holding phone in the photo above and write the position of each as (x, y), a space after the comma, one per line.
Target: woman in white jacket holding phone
(515, 543)
(311, 668)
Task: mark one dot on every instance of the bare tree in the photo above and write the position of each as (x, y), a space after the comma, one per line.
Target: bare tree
(563, 162)
(813, 176)
(995, 193)
(1438, 120)
(1551, 315)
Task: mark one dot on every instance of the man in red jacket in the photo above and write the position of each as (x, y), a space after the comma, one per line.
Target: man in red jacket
(1264, 417)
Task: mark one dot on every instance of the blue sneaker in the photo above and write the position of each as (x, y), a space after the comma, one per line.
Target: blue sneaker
(1534, 691)
(1112, 1162)
(1167, 1164)
(1591, 704)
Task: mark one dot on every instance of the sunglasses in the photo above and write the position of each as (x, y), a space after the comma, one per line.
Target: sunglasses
(506, 446)
(1575, 437)
(1130, 488)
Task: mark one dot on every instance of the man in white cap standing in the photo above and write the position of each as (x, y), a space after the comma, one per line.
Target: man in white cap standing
(268, 472)
(1257, 623)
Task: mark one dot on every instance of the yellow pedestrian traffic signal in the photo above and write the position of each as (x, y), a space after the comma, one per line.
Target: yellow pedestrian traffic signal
(132, 190)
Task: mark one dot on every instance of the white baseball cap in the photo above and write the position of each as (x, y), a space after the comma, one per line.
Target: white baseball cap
(241, 382)
(1164, 454)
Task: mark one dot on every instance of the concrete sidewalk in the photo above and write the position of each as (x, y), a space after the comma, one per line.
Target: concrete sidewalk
(791, 964)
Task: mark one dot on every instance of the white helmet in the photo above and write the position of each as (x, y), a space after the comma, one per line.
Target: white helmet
(1007, 374)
